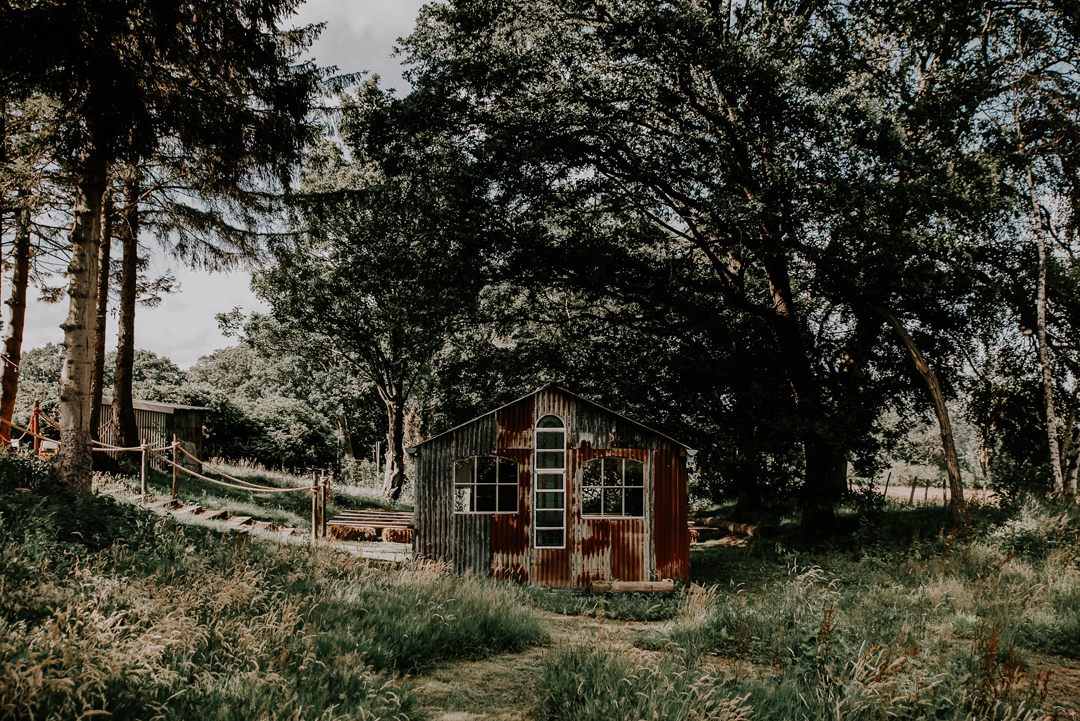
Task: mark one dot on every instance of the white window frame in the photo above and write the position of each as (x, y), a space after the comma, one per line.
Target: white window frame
(537, 472)
(603, 460)
(498, 485)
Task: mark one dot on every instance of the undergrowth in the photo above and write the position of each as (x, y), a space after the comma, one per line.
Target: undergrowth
(622, 607)
(908, 618)
(109, 610)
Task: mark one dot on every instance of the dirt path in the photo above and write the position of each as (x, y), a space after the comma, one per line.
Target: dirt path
(505, 686)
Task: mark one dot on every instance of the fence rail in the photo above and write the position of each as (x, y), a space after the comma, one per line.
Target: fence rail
(319, 488)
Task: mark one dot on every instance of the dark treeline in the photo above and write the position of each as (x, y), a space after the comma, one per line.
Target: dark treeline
(787, 233)
(764, 227)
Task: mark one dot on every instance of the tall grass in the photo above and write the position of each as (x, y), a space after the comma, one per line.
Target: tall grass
(592, 682)
(622, 607)
(924, 622)
(111, 610)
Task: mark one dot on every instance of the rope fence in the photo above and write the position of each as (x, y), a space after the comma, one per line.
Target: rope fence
(319, 488)
(246, 485)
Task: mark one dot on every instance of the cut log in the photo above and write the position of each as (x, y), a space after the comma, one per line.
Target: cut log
(743, 529)
(663, 587)
(353, 533)
(397, 535)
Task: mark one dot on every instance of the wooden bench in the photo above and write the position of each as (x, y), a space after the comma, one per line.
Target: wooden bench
(369, 524)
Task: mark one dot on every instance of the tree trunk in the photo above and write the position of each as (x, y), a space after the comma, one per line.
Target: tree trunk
(97, 381)
(948, 444)
(1044, 348)
(820, 449)
(826, 480)
(346, 435)
(1071, 453)
(13, 337)
(74, 459)
(123, 412)
(394, 478)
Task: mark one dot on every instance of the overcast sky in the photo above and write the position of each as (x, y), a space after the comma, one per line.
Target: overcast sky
(359, 36)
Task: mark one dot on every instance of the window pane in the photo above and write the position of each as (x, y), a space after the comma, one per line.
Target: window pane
(485, 498)
(549, 499)
(552, 537)
(549, 481)
(550, 440)
(635, 473)
(508, 498)
(613, 501)
(635, 503)
(485, 469)
(590, 501)
(508, 471)
(463, 471)
(549, 422)
(590, 474)
(612, 471)
(549, 519)
(462, 499)
(549, 459)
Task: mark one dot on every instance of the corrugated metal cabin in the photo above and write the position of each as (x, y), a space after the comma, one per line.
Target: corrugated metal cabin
(553, 489)
(157, 422)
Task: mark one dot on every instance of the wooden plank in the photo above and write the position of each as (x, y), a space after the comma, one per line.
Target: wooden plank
(743, 529)
(616, 587)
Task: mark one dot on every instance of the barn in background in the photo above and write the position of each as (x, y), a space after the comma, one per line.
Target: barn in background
(553, 489)
(157, 423)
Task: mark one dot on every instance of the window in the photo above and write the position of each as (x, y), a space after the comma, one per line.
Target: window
(613, 487)
(549, 494)
(485, 484)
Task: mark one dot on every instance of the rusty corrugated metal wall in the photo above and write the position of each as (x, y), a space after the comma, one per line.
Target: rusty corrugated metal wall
(157, 429)
(631, 549)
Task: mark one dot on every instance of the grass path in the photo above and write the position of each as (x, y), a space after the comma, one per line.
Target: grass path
(504, 686)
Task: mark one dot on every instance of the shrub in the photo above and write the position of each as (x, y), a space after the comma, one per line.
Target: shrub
(23, 469)
(291, 435)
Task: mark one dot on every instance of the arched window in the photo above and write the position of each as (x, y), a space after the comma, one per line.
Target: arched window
(549, 489)
(613, 487)
(485, 484)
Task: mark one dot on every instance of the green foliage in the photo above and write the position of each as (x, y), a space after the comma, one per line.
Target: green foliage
(147, 367)
(291, 435)
(1034, 529)
(42, 365)
(23, 469)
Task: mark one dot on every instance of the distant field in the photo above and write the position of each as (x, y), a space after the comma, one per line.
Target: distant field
(933, 494)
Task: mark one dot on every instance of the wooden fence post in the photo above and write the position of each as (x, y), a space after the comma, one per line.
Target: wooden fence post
(143, 469)
(314, 508)
(325, 492)
(175, 467)
(35, 428)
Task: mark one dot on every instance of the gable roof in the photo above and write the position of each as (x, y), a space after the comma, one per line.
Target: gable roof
(156, 406)
(563, 390)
